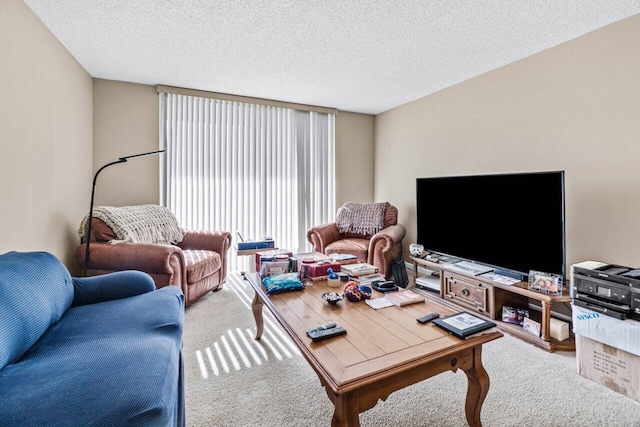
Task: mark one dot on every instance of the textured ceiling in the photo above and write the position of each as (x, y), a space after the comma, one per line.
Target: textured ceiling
(364, 56)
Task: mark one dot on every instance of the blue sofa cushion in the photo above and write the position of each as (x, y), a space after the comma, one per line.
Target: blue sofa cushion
(35, 290)
(110, 363)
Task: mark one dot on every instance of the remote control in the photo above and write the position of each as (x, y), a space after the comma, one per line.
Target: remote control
(427, 318)
(329, 325)
(319, 335)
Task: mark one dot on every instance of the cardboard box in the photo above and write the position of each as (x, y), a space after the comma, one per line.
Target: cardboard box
(271, 255)
(609, 366)
(271, 268)
(621, 334)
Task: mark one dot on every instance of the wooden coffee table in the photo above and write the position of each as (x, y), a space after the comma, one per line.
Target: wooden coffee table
(383, 351)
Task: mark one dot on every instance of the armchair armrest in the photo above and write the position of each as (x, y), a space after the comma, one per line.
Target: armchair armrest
(323, 235)
(118, 285)
(148, 257)
(387, 237)
(381, 247)
(217, 241)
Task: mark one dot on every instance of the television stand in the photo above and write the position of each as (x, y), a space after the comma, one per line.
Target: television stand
(486, 297)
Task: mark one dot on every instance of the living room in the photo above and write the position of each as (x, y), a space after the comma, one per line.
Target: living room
(572, 107)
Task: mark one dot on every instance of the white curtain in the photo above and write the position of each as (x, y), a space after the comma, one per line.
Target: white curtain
(254, 169)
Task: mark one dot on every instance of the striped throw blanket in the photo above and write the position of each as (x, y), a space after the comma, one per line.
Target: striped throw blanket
(361, 218)
(138, 224)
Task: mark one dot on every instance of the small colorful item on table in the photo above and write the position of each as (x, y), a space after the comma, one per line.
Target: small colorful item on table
(355, 292)
(282, 283)
(333, 280)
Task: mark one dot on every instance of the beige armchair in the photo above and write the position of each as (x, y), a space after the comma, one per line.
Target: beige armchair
(378, 248)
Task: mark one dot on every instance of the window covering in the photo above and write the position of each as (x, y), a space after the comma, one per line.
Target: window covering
(254, 169)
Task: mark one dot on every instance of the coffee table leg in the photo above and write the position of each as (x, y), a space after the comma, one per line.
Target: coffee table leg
(346, 412)
(477, 389)
(256, 307)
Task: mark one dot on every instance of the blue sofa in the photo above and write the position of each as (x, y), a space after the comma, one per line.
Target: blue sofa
(95, 351)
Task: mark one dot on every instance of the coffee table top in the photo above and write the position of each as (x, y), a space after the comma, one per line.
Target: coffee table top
(381, 342)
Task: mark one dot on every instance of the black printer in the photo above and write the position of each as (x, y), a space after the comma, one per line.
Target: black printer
(610, 289)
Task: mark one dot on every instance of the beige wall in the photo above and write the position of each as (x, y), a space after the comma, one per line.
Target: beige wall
(125, 122)
(354, 158)
(575, 107)
(45, 137)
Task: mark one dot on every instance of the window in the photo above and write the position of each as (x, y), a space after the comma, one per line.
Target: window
(254, 169)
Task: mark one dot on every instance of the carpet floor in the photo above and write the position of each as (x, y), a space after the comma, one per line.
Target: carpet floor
(232, 380)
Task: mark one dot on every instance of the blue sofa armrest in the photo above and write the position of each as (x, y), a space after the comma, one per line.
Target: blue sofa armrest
(118, 285)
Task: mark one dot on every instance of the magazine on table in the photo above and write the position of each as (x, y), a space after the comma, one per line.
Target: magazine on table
(403, 297)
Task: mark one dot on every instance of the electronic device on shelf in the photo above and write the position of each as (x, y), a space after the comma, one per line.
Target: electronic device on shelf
(512, 222)
(611, 289)
(416, 249)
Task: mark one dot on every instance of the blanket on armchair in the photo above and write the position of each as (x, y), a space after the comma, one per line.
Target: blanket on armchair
(361, 218)
(138, 224)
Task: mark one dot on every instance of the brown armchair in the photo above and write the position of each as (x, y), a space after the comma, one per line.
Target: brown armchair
(378, 249)
(198, 264)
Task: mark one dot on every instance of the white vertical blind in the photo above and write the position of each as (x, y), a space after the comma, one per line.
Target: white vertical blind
(259, 170)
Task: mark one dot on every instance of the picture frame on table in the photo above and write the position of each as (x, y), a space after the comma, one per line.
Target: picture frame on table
(531, 326)
(463, 324)
(546, 283)
(514, 315)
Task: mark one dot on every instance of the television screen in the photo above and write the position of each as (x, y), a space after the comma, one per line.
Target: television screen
(512, 222)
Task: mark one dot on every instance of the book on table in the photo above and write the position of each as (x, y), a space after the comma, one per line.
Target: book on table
(463, 324)
(344, 258)
(367, 278)
(404, 297)
(359, 269)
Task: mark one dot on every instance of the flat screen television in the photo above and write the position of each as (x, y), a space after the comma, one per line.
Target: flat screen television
(511, 222)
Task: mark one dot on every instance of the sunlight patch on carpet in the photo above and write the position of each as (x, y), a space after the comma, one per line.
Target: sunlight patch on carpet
(237, 349)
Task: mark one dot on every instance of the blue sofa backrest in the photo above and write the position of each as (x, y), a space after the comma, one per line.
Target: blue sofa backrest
(35, 291)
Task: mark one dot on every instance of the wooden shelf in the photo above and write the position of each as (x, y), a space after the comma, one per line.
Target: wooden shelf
(486, 298)
(552, 345)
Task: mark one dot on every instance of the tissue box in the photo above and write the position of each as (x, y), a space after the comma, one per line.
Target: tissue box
(318, 271)
(558, 329)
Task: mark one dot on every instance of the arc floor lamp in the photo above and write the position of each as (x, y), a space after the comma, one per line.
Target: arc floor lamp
(87, 236)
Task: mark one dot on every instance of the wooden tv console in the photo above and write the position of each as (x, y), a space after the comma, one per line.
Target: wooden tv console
(487, 297)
